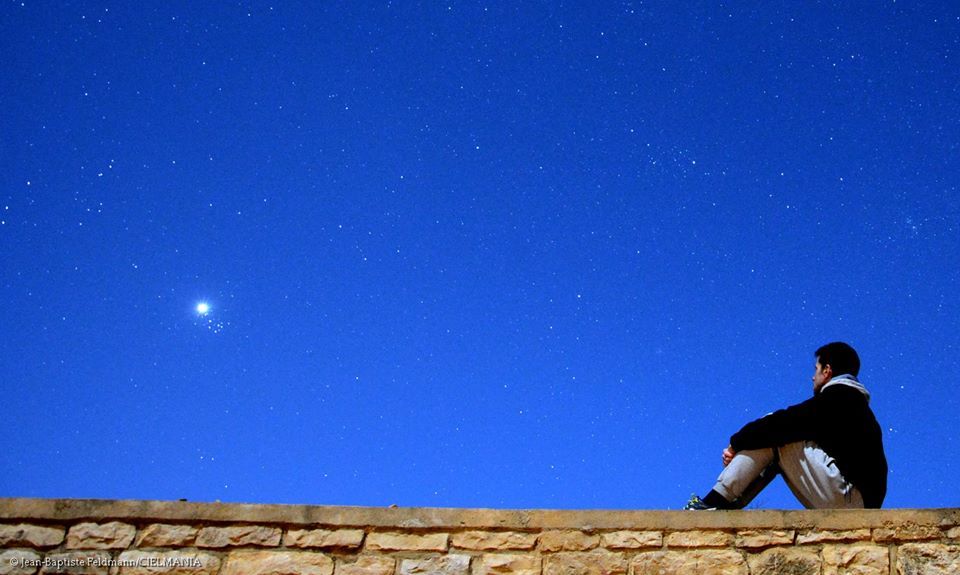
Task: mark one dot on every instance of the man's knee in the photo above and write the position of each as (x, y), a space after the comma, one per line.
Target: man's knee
(761, 457)
(749, 470)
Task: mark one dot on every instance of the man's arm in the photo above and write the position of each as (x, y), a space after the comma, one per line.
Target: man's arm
(795, 423)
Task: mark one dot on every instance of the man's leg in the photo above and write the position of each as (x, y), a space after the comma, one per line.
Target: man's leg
(747, 474)
(813, 477)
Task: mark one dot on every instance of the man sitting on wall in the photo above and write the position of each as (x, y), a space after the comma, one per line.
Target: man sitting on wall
(829, 448)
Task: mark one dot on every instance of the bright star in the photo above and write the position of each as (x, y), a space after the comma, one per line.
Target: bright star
(203, 308)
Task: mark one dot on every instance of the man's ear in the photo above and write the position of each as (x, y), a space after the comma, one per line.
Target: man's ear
(827, 371)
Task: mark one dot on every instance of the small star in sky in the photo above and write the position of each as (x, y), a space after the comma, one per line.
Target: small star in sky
(203, 308)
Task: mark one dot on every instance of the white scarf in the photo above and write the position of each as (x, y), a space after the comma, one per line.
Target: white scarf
(850, 381)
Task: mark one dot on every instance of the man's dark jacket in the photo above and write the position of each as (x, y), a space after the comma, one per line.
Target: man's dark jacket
(840, 421)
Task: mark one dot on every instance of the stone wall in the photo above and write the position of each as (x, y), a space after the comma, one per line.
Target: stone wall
(79, 537)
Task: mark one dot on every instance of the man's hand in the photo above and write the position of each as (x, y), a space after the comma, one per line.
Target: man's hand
(728, 455)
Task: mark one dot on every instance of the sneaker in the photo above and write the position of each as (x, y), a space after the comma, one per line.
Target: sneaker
(697, 504)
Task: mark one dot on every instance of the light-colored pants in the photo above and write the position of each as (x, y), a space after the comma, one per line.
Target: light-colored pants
(811, 474)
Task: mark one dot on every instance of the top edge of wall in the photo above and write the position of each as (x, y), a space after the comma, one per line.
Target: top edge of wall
(431, 519)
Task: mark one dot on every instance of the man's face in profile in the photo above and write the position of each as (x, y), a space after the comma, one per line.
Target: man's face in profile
(821, 375)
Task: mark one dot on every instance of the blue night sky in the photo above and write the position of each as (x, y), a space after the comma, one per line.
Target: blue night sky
(538, 254)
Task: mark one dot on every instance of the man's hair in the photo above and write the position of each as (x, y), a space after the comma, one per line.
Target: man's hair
(840, 357)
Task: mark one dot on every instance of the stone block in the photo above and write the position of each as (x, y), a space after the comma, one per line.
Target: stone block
(762, 539)
(162, 535)
(113, 535)
(693, 562)
(507, 564)
(239, 536)
(862, 559)
(249, 562)
(30, 536)
(19, 562)
(907, 532)
(632, 539)
(928, 559)
(366, 565)
(136, 562)
(597, 563)
(452, 564)
(407, 542)
(324, 538)
(553, 541)
(76, 563)
(785, 561)
(806, 537)
(699, 539)
(493, 540)
(954, 533)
